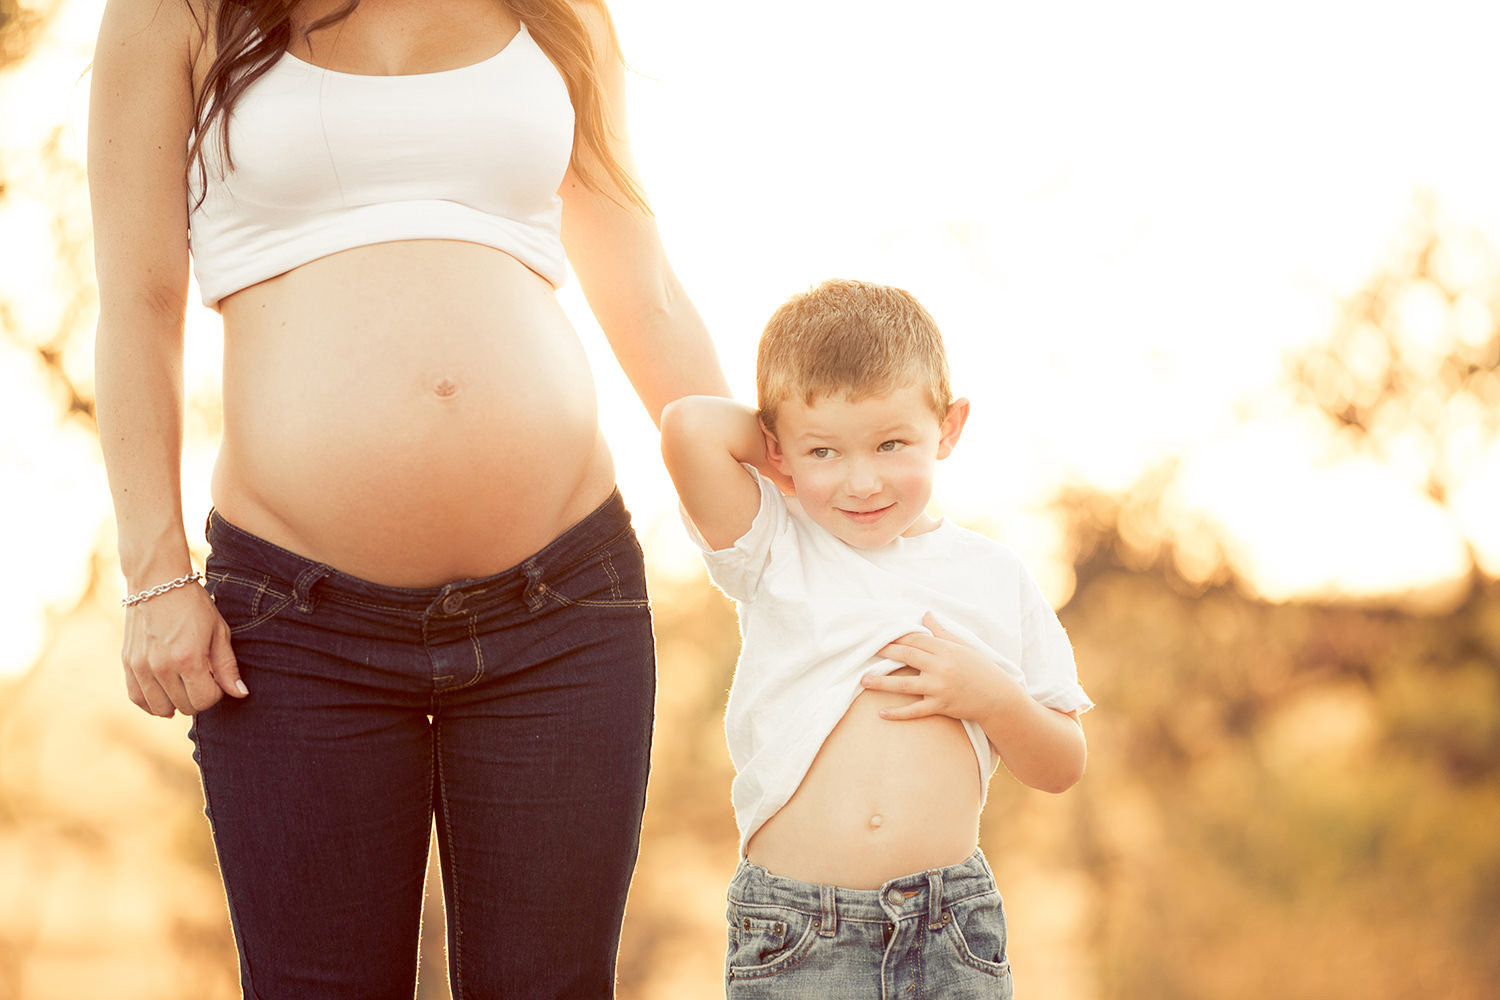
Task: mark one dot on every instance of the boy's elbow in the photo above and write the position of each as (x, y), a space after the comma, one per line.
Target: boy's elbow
(671, 414)
(685, 433)
(1059, 783)
(676, 423)
(1068, 772)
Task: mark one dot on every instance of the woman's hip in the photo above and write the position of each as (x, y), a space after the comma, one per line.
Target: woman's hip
(580, 598)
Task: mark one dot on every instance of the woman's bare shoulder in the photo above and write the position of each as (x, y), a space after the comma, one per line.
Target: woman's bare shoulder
(156, 28)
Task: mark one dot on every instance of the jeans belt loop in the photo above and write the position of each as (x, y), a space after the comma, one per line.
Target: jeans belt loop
(306, 580)
(935, 900)
(534, 585)
(828, 901)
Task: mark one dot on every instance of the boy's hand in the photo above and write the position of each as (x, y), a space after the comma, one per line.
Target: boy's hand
(1043, 747)
(952, 679)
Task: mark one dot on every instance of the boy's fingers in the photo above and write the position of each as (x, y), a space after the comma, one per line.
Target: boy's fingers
(909, 639)
(912, 684)
(916, 710)
(904, 648)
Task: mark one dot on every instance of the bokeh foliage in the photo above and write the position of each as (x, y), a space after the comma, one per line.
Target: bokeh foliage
(1410, 373)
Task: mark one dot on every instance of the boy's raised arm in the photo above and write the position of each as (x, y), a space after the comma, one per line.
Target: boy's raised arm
(704, 440)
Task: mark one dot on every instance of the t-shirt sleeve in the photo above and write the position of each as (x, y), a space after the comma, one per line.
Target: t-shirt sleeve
(1047, 654)
(737, 570)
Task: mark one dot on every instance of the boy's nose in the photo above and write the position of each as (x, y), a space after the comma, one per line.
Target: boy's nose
(862, 480)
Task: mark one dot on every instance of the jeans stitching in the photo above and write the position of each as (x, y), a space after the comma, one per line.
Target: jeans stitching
(568, 602)
(208, 811)
(614, 577)
(450, 888)
(967, 956)
(478, 657)
(257, 615)
(790, 959)
(386, 609)
(539, 587)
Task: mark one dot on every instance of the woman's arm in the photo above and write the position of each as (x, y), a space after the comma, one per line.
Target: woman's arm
(176, 649)
(616, 252)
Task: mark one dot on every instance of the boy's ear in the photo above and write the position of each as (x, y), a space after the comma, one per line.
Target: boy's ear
(774, 454)
(952, 426)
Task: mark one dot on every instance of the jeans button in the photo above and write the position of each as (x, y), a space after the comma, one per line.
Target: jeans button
(452, 603)
(895, 897)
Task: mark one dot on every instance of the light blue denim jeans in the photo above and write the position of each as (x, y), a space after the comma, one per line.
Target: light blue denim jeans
(933, 934)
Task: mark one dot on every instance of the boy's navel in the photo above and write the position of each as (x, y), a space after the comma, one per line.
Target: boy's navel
(876, 820)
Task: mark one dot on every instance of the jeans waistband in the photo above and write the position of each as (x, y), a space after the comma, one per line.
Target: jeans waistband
(598, 529)
(920, 894)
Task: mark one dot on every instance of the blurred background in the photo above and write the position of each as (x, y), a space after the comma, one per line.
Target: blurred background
(1223, 284)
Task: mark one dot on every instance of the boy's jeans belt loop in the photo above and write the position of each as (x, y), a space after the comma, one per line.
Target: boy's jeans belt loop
(935, 900)
(828, 900)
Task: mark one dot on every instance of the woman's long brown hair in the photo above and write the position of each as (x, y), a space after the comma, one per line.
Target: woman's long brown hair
(250, 35)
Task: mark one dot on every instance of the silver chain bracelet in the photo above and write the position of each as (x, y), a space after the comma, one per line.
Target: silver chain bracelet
(157, 591)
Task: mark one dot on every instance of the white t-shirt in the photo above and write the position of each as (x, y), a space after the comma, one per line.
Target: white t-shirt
(814, 611)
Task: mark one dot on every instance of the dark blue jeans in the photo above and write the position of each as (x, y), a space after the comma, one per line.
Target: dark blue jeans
(515, 709)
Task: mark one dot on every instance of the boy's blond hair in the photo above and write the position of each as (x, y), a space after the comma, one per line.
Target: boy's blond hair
(849, 339)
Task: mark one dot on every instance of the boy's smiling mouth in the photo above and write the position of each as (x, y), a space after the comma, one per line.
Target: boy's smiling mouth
(866, 516)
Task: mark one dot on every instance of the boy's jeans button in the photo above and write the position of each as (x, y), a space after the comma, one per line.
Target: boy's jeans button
(895, 897)
(452, 603)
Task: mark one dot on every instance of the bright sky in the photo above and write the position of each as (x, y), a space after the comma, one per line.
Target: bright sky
(1120, 214)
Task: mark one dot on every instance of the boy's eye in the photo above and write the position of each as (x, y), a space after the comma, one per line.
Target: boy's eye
(821, 452)
(891, 445)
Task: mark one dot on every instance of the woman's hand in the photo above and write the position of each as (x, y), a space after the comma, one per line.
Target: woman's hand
(177, 654)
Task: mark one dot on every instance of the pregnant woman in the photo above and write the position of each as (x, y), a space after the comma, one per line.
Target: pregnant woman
(424, 598)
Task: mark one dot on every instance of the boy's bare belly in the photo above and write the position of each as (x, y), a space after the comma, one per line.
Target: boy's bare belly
(882, 799)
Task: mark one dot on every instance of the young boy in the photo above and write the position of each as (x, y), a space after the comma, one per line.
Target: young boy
(887, 659)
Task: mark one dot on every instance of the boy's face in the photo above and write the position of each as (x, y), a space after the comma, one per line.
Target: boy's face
(863, 469)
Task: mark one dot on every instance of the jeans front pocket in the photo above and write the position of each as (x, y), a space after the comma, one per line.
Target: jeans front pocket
(766, 940)
(611, 576)
(245, 598)
(977, 933)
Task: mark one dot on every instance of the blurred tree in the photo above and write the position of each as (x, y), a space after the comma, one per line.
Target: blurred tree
(20, 24)
(1411, 371)
(1312, 782)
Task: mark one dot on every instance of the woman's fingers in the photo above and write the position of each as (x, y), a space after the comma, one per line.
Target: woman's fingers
(198, 688)
(147, 693)
(178, 656)
(226, 668)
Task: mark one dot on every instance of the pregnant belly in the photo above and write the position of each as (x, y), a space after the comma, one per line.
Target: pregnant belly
(446, 429)
(881, 799)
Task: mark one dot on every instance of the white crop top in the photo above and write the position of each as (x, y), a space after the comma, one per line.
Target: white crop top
(325, 161)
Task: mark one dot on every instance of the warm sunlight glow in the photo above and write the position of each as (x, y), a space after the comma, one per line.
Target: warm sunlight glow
(1111, 284)
(1131, 221)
